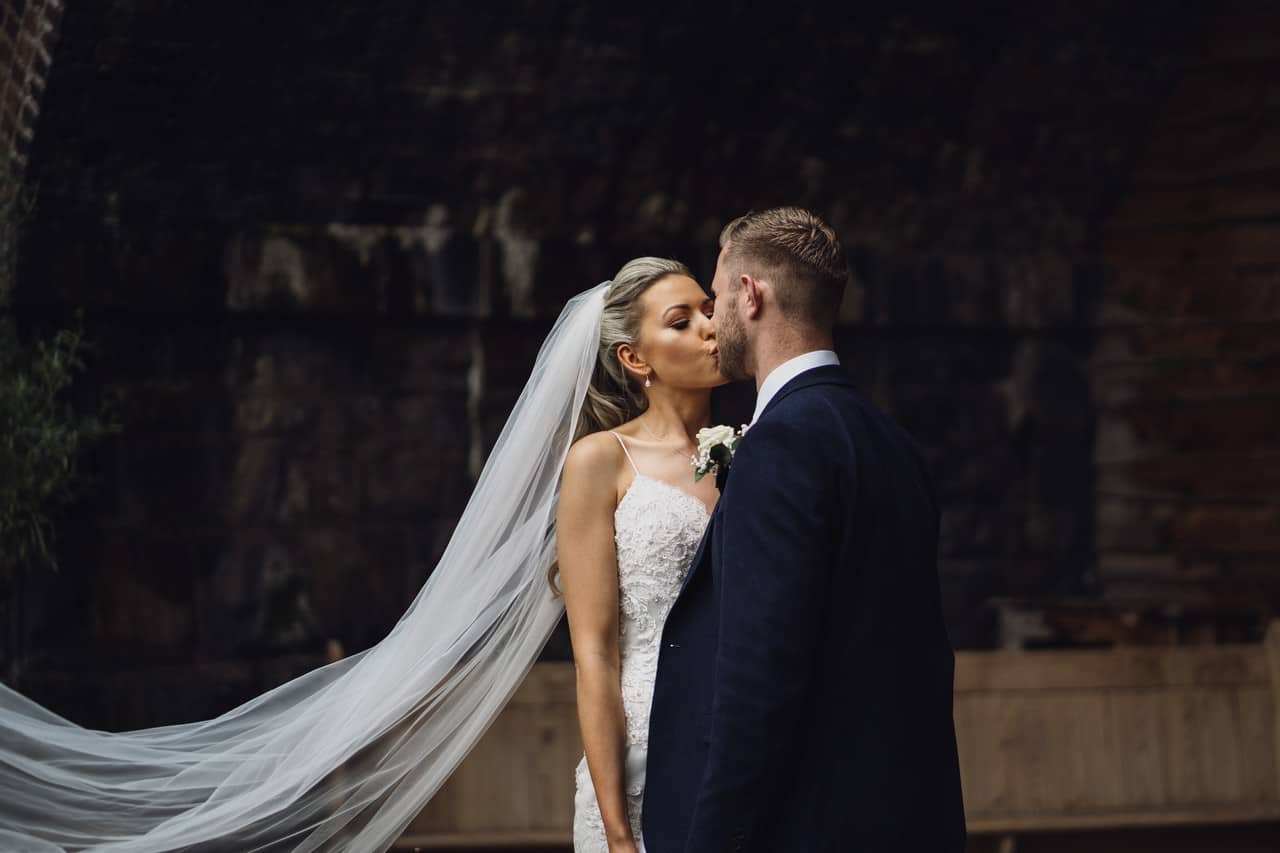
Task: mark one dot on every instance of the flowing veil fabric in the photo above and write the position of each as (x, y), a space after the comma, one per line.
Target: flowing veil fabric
(345, 756)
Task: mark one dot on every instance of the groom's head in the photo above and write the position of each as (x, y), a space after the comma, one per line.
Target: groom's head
(780, 275)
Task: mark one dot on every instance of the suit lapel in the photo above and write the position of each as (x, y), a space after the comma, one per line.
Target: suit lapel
(827, 374)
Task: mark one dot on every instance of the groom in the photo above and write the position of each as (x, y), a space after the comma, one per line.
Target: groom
(803, 695)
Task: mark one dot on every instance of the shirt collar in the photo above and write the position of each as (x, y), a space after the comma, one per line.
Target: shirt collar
(788, 370)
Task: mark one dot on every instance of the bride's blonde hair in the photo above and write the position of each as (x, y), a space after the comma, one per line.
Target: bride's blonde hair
(614, 396)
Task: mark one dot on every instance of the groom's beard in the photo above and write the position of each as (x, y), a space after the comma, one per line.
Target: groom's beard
(732, 345)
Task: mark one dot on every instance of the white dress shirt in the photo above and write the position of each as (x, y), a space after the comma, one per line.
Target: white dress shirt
(788, 370)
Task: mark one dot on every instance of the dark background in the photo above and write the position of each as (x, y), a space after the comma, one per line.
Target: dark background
(318, 244)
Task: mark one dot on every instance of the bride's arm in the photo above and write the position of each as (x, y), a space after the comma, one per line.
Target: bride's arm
(589, 577)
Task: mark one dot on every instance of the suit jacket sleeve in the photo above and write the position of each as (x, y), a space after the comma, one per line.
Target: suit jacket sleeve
(776, 545)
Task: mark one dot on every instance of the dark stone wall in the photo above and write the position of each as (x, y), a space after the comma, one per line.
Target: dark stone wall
(1187, 361)
(320, 242)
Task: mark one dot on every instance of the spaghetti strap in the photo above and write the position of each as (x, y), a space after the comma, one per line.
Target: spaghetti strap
(628, 452)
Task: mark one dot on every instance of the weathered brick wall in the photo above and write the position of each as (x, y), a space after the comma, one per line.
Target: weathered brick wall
(319, 244)
(28, 32)
(1187, 363)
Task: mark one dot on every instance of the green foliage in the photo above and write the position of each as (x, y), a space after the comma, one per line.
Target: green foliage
(41, 434)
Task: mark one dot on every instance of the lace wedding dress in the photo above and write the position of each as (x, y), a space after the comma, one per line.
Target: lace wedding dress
(657, 527)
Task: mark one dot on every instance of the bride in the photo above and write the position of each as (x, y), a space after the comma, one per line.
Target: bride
(630, 519)
(345, 756)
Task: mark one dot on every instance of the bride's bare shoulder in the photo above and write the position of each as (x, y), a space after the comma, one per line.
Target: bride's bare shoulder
(594, 460)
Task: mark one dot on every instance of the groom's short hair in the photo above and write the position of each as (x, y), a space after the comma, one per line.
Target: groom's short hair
(798, 253)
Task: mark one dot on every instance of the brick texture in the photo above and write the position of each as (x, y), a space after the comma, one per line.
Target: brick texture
(1187, 361)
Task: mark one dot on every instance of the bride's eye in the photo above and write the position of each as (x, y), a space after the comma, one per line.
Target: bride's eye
(680, 324)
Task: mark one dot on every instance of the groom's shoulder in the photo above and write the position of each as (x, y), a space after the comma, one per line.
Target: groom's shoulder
(805, 420)
(828, 409)
(821, 389)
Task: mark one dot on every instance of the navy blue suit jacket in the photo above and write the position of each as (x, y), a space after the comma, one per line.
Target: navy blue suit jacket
(804, 686)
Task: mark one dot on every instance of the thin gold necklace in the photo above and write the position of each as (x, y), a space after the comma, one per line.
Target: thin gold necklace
(656, 437)
(682, 451)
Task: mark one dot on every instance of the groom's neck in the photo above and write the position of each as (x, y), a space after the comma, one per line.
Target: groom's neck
(774, 350)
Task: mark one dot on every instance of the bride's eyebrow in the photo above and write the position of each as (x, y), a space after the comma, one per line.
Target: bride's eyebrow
(674, 308)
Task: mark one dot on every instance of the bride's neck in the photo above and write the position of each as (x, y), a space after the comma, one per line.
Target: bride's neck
(672, 411)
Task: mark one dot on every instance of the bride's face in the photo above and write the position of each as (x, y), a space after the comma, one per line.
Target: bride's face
(677, 335)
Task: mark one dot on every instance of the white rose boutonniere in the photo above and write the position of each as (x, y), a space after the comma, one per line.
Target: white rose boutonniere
(716, 446)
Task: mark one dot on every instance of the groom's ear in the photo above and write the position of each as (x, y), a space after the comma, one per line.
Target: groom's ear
(752, 295)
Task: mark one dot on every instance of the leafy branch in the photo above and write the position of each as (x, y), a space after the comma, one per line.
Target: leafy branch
(41, 433)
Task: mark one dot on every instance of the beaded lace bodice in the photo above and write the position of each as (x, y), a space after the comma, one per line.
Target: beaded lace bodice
(657, 528)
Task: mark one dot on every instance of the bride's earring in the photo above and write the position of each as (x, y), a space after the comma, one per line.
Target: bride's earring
(648, 383)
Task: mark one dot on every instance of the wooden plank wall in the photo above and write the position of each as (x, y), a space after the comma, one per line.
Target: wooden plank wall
(1132, 737)
(1051, 740)
(516, 786)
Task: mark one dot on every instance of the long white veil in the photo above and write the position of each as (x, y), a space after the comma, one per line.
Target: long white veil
(344, 757)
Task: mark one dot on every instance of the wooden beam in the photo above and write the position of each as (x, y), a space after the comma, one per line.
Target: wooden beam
(1272, 643)
(496, 840)
(1155, 666)
(1178, 816)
